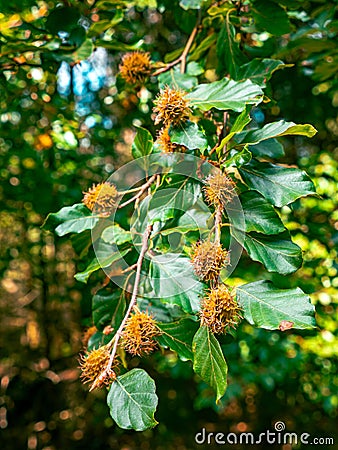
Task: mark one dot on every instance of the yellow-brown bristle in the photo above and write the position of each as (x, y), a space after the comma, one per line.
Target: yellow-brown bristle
(138, 334)
(208, 258)
(164, 141)
(101, 198)
(94, 368)
(220, 310)
(219, 189)
(135, 67)
(87, 335)
(171, 107)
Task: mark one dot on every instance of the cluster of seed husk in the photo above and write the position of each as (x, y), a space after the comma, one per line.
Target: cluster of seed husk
(219, 189)
(171, 107)
(165, 143)
(102, 197)
(139, 333)
(94, 368)
(88, 334)
(220, 310)
(208, 259)
(135, 67)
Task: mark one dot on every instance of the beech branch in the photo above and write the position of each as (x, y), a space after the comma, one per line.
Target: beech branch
(141, 191)
(218, 223)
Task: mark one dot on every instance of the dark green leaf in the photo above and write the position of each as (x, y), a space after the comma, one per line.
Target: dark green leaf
(266, 306)
(271, 17)
(269, 147)
(178, 336)
(190, 135)
(62, 19)
(277, 252)
(260, 70)
(108, 308)
(278, 184)
(209, 362)
(229, 55)
(143, 143)
(225, 94)
(132, 401)
(259, 214)
(116, 235)
(71, 219)
(174, 281)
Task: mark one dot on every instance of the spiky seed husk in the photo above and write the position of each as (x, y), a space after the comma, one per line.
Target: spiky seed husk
(208, 258)
(138, 334)
(164, 141)
(220, 310)
(102, 197)
(135, 67)
(88, 333)
(171, 107)
(219, 189)
(94, 365)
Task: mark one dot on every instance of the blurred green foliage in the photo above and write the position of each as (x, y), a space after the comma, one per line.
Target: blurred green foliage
(66, 125)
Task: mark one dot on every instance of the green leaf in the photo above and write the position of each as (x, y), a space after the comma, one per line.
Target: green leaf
(229, 55)
(272, 130)
(178, 336)
(269, 147)
(278, 184)
(277, 252)
(209, 362)
(271, 17)
(241, 121)
(259, 214)
(143, 143)
(176, 79)
(116, 235)
(174, 281)
(266, 306)
(204, 46)
(190, 135)
(71, 219)
(62, 19)
(225, 94)
(108, 308)
(132, 401)
(237, 158)
(260, 70)
(172, 201)
(107, 256)
(191, 4)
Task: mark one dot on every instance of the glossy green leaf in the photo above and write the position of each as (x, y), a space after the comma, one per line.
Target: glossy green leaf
(272, 130)
(173, 201)
(277, 252)
(108, 307)
(178, 336)
(116, 235)
(271, 17)
(209, 362)
(225, 94)
(269, 147)
(132, 400)
(241, 121)
(266, 306)
(229, 55)
(260, 70)
(176, 79)
(190, 135)
(143, 143)
(62, 19)
(104, 259)
(237, 158)
(278, 184)
(203, 47)
(174, 281)
(259, 214)
(71, 219)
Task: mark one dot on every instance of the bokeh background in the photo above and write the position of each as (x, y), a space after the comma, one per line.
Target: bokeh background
(66, 125)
